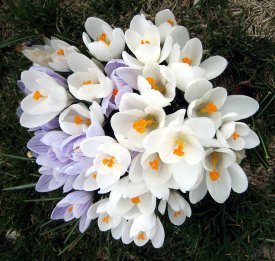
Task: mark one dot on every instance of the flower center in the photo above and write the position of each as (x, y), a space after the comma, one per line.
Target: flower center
(79, 120)
(177, 214)
(135, 200)
(141, 236)
(214, 174)
(152, 81)
(209, 108)
(141, 124)
(103, 38)
(155, 163)
(145, 42)
(187, 60)
(60, 52)
(70, 209)
(170, 21)
(106, 219)
(87, 82)
(179, 148)
(235, 135)
(114, 93)
(37, 95)
(109, 161)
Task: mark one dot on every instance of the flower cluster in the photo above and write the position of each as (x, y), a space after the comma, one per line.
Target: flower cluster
(130, 137)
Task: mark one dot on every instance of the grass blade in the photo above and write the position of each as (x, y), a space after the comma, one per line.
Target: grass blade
(31, 185)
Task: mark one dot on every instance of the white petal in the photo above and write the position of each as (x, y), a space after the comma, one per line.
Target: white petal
(131, 61)
(251, 140)
(80, 63)
(147, 53)
(198, 193)
(94, 27)
(213, 66)
(193, 51)
(34, 121)
(158, 239)
(147, 204)
(180, 36)
(238, 178)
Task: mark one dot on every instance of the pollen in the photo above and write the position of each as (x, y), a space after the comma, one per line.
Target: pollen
(145, 42)
(235, 135)
(179, 148)
(177, 214)
(103, 38)
(154, 164)
(109, 161)
(37, 95)
(209, 108)
(106, 219)
(152, 81)
(70, 209)
(93, 175)
(78, 119)
(135, 200)
(114, 93)
(214, 175)
(87, 82)
(170, 21)
(141, 124)
(60, 52)
(88, 122)
(187, 60)
(141, 236)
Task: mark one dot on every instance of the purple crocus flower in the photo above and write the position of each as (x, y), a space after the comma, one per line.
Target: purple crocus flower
(74, 205)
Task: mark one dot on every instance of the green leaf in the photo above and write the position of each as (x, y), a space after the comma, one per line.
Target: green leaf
(16, 39)
(32, 185)
(42, 199)
(16, 157)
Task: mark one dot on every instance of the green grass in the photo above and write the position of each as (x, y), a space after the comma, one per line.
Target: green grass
(240, 229)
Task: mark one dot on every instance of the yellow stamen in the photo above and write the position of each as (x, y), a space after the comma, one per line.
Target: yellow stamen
(177, 214)
(214, 174)
(141, 236)
(103, 38)
(37, 95)
(145, 42)
(235, 135)
(141, 124)
(179, 148)
(187, 60)
(87, 82)
(135, 200)
(109, 161)
(155, 163)
(78, 120)
(60, 52)
(114, 93)
(152, 81)
(106, 219)
(209, 108)
(170, 21)
(70, 209)
(93, 175)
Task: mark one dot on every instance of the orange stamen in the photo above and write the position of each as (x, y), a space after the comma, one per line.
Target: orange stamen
(60, 52)
(214, 175)
(235, 135)
(37, 95)
(135, 200)
(179, 149)
(70, 209)
(103, 38)
(186, 60)
(109, 162)
(209, 108)
(170, 21)
(141, 124)
(141, 236)
(145, 42)
(78, 120)
(154, 164)
(152, 81)
(114, 93)
(106, 219)
(177, 214)
(88, 122)
(87, 82)
(93, 175)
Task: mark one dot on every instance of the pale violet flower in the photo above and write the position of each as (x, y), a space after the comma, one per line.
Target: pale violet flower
(46, 99)
(108, 42)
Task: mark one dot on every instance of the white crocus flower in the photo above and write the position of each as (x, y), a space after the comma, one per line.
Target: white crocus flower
(77, 118)
(54, 54)
(87, 82)
(221, 174)
(135, 120)
(142, 229)
(143, 40)
(187, 62)
(157, 85)
(111, 159)
(181, 147)
(165, 21)
(178, 208)
(209, 105)
(108, 42)
(237, 136)
(46, 100)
